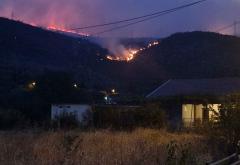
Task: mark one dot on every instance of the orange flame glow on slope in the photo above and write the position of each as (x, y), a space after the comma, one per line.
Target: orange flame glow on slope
(130, 54)
(57, 28)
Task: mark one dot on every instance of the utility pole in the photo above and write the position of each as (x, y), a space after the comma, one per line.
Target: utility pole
(235, 26)
(12, 15)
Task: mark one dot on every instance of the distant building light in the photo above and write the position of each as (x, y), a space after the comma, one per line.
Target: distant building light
(34, 83)
(75, 86)
(106, 98)
(113, 91)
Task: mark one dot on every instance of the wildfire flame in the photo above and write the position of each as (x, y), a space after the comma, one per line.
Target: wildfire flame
(56, 28)
(130, 54)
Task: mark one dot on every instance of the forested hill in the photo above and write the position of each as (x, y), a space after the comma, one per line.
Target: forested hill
(196, 55)
(27, 51)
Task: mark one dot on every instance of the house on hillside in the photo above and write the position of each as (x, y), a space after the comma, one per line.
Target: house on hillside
(81, 112)
(186, 99)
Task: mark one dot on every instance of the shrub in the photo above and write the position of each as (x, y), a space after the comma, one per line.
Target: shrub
(66, 121)
(128, 117)
(228, 119)
(224, 128)
(11, 119)
(180, 153)
(151, 116)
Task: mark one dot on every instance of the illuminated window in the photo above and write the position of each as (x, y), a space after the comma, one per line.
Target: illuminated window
(188, 114)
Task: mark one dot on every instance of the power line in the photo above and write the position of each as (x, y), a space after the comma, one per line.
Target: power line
(225, 28)
(150, 18)
(130, 24)
(140, 17)
(233, 25)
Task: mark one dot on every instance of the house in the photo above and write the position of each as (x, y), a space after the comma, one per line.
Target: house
(80, 111)
(187, 99)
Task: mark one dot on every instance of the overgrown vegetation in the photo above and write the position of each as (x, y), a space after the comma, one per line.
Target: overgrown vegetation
(180, 153)
(148, 116)
(226, 124)
(142, 146)
(65, 121)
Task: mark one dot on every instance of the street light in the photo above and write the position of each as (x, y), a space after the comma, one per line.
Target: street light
(75, 86)
(106, 98)
(113, 91)
(32, 85)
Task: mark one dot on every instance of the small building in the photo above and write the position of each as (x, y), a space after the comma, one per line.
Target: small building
(80, 111)
(188, 100)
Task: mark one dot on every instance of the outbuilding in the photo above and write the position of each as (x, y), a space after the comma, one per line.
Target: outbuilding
(81, 112)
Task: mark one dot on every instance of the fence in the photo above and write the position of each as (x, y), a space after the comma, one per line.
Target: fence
(230, 160)
(233, 159)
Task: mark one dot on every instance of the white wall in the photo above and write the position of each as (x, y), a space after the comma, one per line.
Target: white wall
(76, 109)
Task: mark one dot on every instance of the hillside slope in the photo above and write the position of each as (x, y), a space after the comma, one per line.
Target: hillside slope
(196, 55)
(26, 51)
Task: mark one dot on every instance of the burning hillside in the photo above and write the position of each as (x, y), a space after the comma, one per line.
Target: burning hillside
(64, 30)
(118, 52)
(131, 53)
(57, 28)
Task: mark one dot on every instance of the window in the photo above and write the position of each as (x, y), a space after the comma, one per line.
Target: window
(214, 111)
(188, 114)
(192, 114)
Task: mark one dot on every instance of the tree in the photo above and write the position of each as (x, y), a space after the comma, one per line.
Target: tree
(228, 119)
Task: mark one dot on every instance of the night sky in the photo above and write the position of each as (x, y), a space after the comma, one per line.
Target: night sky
(210, 15)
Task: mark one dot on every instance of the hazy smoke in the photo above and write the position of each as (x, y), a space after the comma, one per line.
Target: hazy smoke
(75, 13)
(60, 13)
(67, 14)
(114, 46)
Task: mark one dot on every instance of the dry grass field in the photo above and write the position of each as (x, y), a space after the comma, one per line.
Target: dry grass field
(142, 146)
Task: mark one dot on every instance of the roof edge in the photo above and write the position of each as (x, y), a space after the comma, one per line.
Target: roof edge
(150, 94)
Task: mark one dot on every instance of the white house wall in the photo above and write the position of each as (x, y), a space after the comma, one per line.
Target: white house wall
(77, 110)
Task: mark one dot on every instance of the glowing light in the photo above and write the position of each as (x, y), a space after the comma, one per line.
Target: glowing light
(113, 91)
(130, 54)
(56, 28)
(75, 86)
(106, 98)
(32, 85)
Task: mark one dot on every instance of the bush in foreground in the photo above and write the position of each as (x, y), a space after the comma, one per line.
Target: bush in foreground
(123, 118)
(225, 126)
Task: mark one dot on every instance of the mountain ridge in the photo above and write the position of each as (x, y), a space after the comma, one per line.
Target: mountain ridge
(29, 50)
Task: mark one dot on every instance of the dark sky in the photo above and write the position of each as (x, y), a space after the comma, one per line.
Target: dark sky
(210, 15)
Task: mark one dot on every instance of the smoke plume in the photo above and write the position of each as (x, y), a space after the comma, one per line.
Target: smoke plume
(77, 13)
(68, 14)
